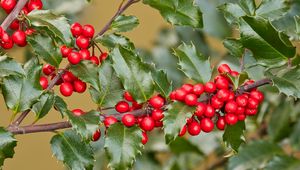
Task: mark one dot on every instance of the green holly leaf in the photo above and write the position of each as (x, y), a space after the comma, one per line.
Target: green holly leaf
(7, 145)
(239, 80)
(44, 105)
(57, 26)
(193, 64)
(60, 105)
(122, 145)
(233, 136)
(86, 71)
(44, 47)
(85, 125)
(20, 93)
(10, 67)
(182, 145)
(69, 148)
(113, 40)
(232, 12)
(178, 12)
(175, 118)
(248, 6)
(269, 46)
(124, 23)
(287, 81)
(278, 130)
(254, 155)
(162, 83)
(234, 46)
(134, 74)
(272, 9)
(110, 89)
(283, 162)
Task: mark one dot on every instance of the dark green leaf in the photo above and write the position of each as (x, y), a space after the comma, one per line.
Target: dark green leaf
(232, 12)
(124, 23)
(7, 145)
(135, 75)
(162, 83)
(194, 65)
(122, 145)
(44, 105)
(57, 25)
(86, 125)
(277, 130)
(175, 118)
(60, 105)
(178, 12)
(234, 46)
(248, 6)
(86, 71)
(254, 155)
(283, 162)
(69, 148)
(182, 145)
(44, 47)
(110, 90)
(233, 136)
(10, 67)
(295, 137)
(272, 9)
(113, 40)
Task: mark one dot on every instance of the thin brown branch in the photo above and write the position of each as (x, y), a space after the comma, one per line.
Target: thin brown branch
(13, 14)
(254, 85)
(20, 118)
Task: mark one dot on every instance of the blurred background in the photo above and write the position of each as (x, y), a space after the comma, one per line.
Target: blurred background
(155, 40)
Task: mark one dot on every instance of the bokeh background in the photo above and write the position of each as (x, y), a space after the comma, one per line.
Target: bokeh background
(33, 150)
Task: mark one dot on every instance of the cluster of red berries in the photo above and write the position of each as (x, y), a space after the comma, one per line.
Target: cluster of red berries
(216, 103)
(68, 82)
(84, 35)
(19, 35)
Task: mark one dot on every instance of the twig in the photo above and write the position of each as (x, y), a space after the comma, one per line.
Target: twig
(20, 118)
(254, 85)
(14, 14)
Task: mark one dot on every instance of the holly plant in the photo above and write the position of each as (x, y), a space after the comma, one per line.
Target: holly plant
(185, 97)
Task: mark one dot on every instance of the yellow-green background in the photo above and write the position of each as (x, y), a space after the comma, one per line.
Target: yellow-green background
(33, 150)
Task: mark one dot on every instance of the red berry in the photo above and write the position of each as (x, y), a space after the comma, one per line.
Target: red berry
(88, 31)
(210, 87)
(65, 51)
(231, 96)
(173, 95)
(234, 73)
(156, 102)
(216, 102)
(231, 119)
(25, 10)
(182, 131)
(103, 56)
(252, 103)
(157, 114)
(85, 54)
(194, 128)
(76, 29)
(240, 110)
(68, 77)
(122, 107)
(241, 117)
(158, 124)
(241, 101)
(7, 45)
(95, 60)
(127, 96)
(15, 25)
(48, 69)
(66, 89)
(207, 125)
(128, 120)
(96, 136)
(231, 107)
(251, 112)
(222, 83)
(78, 112)
(109, 121)
(223, 94)
(82, 42)
(187, 87)
(136, 105)
(180, 94)
(198, 89)
(144, 138)
(8, 5)
(74, 58)
(191, 99)
(147, 124)
(210, 111)
(5, 37)
(29, 31)
(34, 4)
(257, 95)
(221, 123)
(59, 81)
(43, 82)
(79, 86)
(224, 68)
(200, 109)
